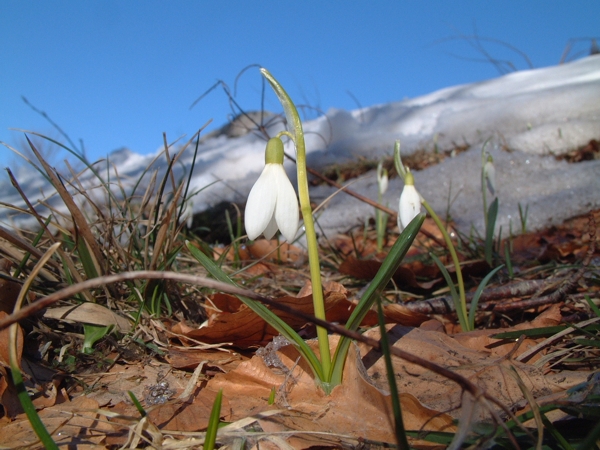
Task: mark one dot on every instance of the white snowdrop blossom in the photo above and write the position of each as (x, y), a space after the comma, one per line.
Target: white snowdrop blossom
(410, 202)
(272, 202)
(382, 179)
(489, 172)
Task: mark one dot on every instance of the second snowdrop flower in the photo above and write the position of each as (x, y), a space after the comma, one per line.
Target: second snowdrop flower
(489, 174)
(272, 202)
(410, 202)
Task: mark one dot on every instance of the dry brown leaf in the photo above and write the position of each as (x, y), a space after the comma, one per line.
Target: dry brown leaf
(366, 269)
(9, 291)
(137, 378)
(239, 325)
(8, 392)
(356, 408)
(75, 424)
(188, 359)
(480, 339)
(188, 416)
(92, 313)
(275, 251)
(485, 368)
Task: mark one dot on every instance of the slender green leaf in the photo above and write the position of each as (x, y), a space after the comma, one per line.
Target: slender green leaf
(391, 376)
(213, 423)
(532, 333)
(30, 412)
(263, 312)
(492, 214)
(477, 295)
(455, 296)
(137, 404)
(386, 271)
(592, 305)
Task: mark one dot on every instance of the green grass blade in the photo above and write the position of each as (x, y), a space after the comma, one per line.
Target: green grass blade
(555, 433)
(492, 214)
(592, 305)
(591, 440)
(386, 271)
(455, 297)
(477, 295)
(213, 423)
(508, 261)
(395, 396)
(29, 408)
(137, 404)
(86, 259)
(263, 312)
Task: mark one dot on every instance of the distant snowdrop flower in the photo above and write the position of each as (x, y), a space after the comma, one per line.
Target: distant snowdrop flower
(410, 202)
(272, 202)
(382, 178)
(489, 172)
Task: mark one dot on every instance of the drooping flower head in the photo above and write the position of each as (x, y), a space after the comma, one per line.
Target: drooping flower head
(410, 202)
(489, 173)
(272, 202)
(382, 178)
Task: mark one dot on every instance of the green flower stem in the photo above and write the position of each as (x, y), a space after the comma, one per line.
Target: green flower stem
(313, 261)
(295, 128)
(461, 308)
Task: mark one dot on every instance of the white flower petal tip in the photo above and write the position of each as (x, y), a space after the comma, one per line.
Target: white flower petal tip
(272, 205)
(410, 206)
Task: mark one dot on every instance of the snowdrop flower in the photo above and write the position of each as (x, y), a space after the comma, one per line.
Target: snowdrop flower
(490, 174)
(272, 202)
(410, 202)
(382, 178)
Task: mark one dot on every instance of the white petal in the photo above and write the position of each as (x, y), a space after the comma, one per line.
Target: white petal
(410, 206)
(271, 228)
(490, 175)
(383, 184)
(286, 208)
(261, 203)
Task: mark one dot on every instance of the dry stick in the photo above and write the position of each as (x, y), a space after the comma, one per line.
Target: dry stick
(567, 287)
(445, 304)
(44, 302)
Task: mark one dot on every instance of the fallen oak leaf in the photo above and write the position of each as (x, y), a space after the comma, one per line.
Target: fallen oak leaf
(241, 326)
(92, 313)
(356, 407)
(366, 269)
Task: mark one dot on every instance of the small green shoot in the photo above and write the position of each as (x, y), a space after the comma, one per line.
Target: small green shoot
(523, 218)
(272, 395)
(213, 423)
(508, 261)
(137, 404)
(92, 334)
(492, 214)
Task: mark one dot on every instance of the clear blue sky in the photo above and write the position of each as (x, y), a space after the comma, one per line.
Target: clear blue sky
(120, 73)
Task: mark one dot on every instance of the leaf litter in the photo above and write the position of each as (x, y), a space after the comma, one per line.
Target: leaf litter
(176, 358)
